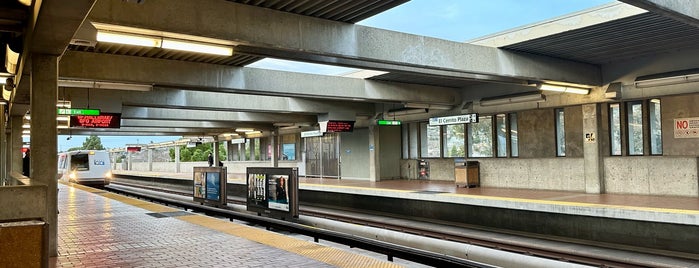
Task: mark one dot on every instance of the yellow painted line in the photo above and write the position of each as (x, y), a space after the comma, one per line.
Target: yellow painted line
(329, 255)
(579, 204)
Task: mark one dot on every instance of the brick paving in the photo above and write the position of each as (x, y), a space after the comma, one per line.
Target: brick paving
(95, 231)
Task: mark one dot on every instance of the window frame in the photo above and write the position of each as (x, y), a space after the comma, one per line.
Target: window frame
(559, 128)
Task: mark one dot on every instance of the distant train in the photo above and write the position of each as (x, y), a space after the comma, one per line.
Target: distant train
(85, 167)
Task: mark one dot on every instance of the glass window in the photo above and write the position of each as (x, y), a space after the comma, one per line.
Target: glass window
(501, 131)
(615, 129)
(454, 141)
(656, 132)
(560, 133)
(514, 143)
(634, 115)
(429, 141)
(480, 141)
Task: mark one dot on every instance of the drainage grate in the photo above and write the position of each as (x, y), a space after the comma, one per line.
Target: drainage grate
(168, 214)
(430, 192)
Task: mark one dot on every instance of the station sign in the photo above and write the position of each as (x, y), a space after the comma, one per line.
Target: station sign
(453, 120)
(69, 111)
(336, 126)
(388, 122)
(133, 148)
(238, 141)
(104, 120)
(312, 133)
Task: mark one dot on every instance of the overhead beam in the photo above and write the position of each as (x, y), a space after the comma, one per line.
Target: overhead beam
(686, 11)
(90, 66)
(129, 112)
(211, 101)
(265, 32)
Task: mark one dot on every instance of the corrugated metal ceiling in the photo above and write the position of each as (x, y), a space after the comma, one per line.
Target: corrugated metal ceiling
(635, 36)
(337, 10)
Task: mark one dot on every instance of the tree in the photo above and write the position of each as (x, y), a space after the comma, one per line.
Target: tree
(92, 143)
(198, 153)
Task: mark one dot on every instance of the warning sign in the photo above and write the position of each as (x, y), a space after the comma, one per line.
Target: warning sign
(687, 128)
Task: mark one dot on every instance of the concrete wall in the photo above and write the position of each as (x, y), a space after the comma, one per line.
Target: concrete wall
(652, 175)
(536, 133)
(27, 199)
(672, 108)
(573, 125)
(354, 153)
(562, 173)
(390, 151)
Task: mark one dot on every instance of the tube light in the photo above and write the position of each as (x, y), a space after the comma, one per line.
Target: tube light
(565, 89)
(26, 131)
(197, 47)
(398, 112)
(666, 81)
(244, 129)
(513, 99)
(428, 106)
(104, 85)
(128, 39)
(11, 60)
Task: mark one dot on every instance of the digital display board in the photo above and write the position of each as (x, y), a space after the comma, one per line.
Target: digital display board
(388, 122)
(340, 126)
(104, 120)
(69, 111)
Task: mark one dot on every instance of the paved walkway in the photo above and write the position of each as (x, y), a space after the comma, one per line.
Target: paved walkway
(101, 229)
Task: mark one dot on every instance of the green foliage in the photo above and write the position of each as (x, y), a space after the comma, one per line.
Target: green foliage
(198, 153)
(92, 143)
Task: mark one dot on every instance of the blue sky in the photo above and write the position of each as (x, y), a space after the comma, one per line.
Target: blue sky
(454, 20)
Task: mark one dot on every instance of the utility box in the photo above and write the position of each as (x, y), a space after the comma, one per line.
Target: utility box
(468, 175)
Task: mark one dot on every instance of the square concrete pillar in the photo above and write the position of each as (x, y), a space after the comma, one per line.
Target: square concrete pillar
(44, 92)
(594, 162)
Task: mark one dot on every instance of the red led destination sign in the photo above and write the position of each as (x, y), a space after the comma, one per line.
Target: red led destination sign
(340, 126)
(104, 120)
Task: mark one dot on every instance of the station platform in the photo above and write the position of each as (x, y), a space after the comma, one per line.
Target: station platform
(665, 209)
(102, 229)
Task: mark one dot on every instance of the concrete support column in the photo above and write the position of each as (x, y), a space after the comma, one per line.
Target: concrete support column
(14, 154)
(275, 147)
(252, 149)
(150, 159)
(234, 152)
(215, 151)
(241, 151)
(594, 162)
(374, 159)
(43, 98)
(3, 143)
(128, 160)
(228, 150)
(177, 159)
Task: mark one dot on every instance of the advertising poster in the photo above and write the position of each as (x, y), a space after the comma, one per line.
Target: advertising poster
(289, 151)
(278, 192)
(257, 187)
(199, 185)
(213, 182)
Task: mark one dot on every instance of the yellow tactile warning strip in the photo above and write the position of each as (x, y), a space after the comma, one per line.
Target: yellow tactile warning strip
(524, 200)
(329, 255)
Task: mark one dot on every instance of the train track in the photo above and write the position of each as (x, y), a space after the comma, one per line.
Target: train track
(437, 233)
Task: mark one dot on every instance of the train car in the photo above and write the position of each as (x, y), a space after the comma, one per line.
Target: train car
(85, 167)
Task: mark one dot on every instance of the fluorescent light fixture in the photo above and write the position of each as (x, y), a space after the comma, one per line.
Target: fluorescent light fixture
(244, 129)
(513, 99)
(399, 112)
(104, 85)
(666, 81)
(26, 131)
(6, 93)
(128, 39)
(26, 125)
(253, 132)
(3, 102)
(28, 116)
(428, 106)
(26, 2)
(11, 60)
(364, 74)
(63, 104)
(62, 127)
(25, 136)
(63, 118)
(197, 47)
(565, 89)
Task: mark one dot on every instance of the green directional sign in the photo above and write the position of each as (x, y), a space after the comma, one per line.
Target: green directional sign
(68, 111)
(388, 122)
